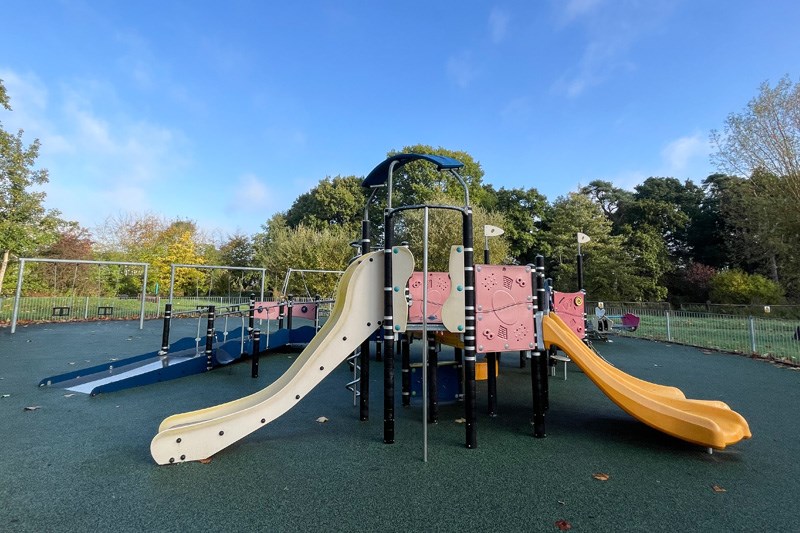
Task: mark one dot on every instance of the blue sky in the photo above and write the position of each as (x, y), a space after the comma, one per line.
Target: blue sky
(224, 112)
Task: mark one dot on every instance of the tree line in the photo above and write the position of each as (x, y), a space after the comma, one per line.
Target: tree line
(730, 238)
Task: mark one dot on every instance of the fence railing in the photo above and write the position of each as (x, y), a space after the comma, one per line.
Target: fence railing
(768, 337)
(85, 308)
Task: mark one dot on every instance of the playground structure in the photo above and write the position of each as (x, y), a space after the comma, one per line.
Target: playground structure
(188, 356)
(488, 309)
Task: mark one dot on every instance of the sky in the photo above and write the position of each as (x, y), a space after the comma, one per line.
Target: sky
(225, 112)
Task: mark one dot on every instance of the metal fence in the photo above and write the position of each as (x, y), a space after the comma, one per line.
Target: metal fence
(758, 335)
(33, 309)
(36, 309)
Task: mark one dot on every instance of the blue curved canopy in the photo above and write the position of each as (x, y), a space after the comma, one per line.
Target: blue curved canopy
(380, 174)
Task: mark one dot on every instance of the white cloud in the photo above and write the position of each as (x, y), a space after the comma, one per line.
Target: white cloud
(518, 109)
(498, 24)
(610, 31)
(99, 162)
(249, 193)
(462, 69)
(573, 9)
(680, 153)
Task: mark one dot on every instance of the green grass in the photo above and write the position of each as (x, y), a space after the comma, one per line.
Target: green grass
(771, 337)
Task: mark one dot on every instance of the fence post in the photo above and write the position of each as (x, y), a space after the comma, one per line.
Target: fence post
(669, 331)
(752, 323)
(86, 309)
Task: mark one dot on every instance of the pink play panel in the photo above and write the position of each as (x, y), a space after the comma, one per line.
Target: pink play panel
(570, 307)
(438, 291)
(503, 308)
(271, 310)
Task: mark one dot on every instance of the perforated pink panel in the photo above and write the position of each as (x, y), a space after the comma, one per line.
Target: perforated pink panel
(438, 291)
(271, 310)
(570, 307)
(304, 310)
(267, 310)
(503, 308)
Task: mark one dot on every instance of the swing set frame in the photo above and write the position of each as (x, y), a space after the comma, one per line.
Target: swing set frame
(23, 260)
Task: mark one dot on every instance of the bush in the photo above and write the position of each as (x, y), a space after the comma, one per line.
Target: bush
(738, 287)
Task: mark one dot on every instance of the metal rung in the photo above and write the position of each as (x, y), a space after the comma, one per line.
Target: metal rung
(353, 386)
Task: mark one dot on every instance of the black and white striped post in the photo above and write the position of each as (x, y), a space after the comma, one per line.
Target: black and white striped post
(363, 382)
(388, 332)
(165, 331)
(210, 338)
(469, 332)
(538, 356)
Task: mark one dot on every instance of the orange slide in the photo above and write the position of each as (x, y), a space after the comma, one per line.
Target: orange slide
(708, 423)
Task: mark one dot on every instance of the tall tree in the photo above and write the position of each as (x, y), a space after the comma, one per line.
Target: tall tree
(612, 200)
(445, 230)
(764, 136)
(25, 224)
(149, 238)
(417, 182)
(611, 270)
(762, 142)
(524, 211)
(333, 201)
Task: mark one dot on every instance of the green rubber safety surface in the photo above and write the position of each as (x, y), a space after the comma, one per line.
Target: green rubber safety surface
(78, 463)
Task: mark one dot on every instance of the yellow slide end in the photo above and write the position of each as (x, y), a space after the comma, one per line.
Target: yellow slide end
(706, 423)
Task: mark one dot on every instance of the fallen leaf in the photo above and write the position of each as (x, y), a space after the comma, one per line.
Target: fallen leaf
(717, 488)
(562, 502)
(69, 395)
(563, 525)
(205, 461)
(460, 420)
(32, 408)
(322, 420)
(600, 476)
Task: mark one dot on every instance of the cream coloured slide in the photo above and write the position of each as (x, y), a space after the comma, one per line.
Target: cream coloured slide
(708, 423)
(357, 313)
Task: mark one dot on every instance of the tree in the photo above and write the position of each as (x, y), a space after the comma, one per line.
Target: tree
(417, 182)
(523, 210)
(25, 225)
(445, 230)
(279, 248)
(611, 200)
(668, 207)
(333, 201)
(238, 251)
(149, 238)
(619, 267)
(765, 136)
(762, 143)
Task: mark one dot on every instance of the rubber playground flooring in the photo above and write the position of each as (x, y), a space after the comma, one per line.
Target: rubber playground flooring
(78, 463)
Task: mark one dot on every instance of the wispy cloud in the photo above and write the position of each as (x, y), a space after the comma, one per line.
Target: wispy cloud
(462, 69)
(98, 162)
(573, 9)
(680, 153)
(498, 24)
(610, 31)
(250, 193)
